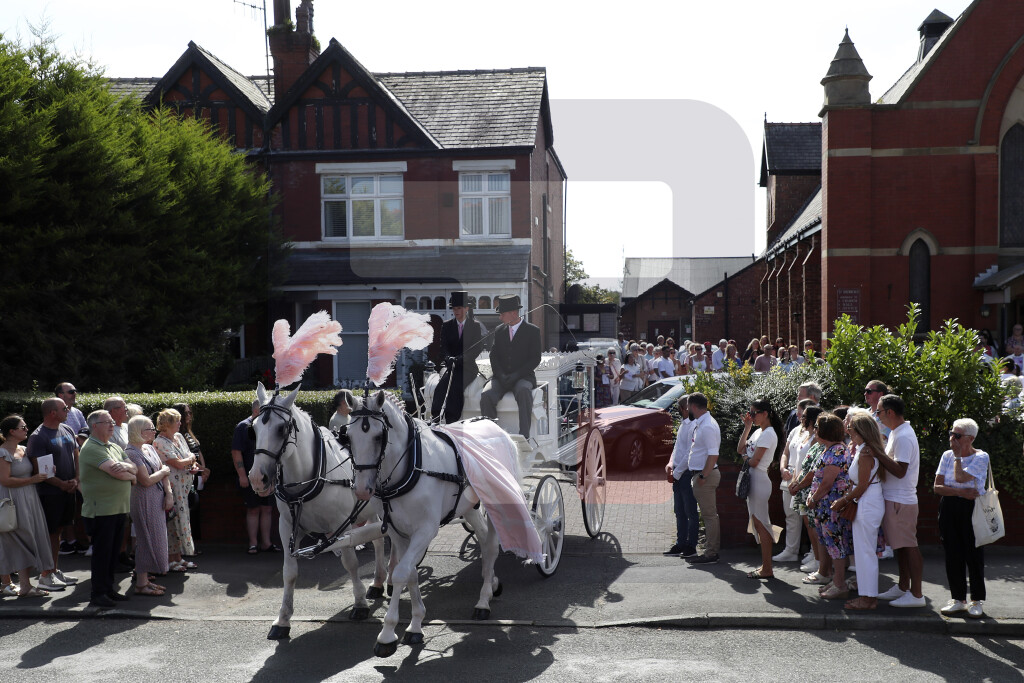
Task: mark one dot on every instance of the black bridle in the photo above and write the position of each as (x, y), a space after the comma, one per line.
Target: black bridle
(311, 487)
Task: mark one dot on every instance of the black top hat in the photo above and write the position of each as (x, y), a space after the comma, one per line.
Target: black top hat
(506, 303)
(458, 298)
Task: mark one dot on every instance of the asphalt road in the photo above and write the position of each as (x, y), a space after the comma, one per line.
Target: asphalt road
(135, 650)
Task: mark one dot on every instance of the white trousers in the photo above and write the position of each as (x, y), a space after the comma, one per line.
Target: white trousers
(794, 525)
(870, 509)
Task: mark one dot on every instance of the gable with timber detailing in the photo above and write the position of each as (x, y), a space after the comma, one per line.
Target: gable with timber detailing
(201, 86)
(338, 105)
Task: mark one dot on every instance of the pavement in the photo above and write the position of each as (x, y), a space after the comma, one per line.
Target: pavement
(618, 578)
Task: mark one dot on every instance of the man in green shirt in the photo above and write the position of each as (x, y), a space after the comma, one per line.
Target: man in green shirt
(106, 478)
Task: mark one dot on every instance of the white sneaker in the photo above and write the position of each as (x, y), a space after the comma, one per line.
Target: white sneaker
(887, 553)
(808, 559)
(954, 607)
(785, 557)
(68, 580)
(10, 591)
(893, 593)
(88, 551)
(976, 609)
(811, 566)
(908, 600)
(50, 582)
(852, 568)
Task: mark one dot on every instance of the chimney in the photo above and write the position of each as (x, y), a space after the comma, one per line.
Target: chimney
(931, 29)
(293, 49)
(846, 82)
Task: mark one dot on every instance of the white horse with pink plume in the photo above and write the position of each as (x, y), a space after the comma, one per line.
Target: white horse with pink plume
(420, 479)
(311, 474)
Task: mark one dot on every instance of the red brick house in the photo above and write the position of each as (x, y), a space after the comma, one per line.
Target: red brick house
(921, 193)
(393, 187)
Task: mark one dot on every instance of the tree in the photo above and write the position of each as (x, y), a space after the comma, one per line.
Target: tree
(133, 240)
(589, 294)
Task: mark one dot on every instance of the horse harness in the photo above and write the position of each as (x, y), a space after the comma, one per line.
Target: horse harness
(415, 466)
(312, 487)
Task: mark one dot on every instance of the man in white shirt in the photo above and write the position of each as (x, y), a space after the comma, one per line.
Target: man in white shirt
(704, 474)
(718, 357)
(664, 367)
(684, 503)
(902, 463)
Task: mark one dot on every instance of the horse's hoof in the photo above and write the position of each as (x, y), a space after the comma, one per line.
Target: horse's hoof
(411, 638)
(391, 590)
(385, 649)
(279, 632)
(497, 591)
(359, 613)
(481, 614)
(375, 593)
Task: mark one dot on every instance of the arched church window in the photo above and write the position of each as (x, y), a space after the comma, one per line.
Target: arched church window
(1011, 188)
(921, 282)
(410, 303)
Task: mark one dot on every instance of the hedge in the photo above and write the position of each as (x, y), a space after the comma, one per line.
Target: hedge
(215, 413)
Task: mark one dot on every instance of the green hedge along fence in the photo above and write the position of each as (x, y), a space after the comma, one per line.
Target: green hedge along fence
(215, 413)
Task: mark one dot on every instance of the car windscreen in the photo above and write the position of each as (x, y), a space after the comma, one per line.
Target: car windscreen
(658, 396)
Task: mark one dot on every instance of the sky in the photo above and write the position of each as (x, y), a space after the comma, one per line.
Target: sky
(658, 108)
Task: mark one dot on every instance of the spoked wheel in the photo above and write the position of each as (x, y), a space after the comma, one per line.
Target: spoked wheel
(549, 518)
(593, 483)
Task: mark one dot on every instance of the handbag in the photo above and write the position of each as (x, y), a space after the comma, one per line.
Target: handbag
(743, 481)
(850, 511)
(8, 515)
(987, 518)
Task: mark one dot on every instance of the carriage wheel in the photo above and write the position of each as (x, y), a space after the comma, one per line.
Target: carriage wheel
(593, 483)
(549, 518)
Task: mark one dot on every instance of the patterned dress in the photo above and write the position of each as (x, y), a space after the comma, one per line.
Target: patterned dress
(835, 532)
(809, 465)
(179, 527)
(148, 514)
(29, 544)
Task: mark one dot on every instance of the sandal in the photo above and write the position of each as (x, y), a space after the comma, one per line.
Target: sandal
(272, 548)
(252, 550)
(822, 589)
(189, 565)
(33, 592)
(177, 567)
(861, 603)
(156, 586)
(148, 590)
(834, 593)
(816, 579)
(756, 575)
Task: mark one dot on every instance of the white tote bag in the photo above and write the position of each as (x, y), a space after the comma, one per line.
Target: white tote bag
(988, 516)
(8, 515)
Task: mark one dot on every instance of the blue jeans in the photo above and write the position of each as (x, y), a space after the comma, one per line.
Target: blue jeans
(685, 505)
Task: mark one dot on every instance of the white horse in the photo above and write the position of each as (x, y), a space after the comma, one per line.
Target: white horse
(314, 476)
(416, 485)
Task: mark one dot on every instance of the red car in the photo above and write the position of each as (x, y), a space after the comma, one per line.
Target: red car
(641, 427)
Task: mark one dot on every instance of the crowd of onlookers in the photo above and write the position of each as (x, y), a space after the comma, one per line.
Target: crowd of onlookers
(118, 486)
(629, 366)
(849, 478)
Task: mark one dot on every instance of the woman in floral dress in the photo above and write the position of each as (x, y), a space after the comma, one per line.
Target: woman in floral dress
(152, 497)
(174, 452)
(831, 481)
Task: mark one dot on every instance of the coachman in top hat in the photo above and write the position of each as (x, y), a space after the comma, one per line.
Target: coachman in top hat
(461, 343)
(514, 357)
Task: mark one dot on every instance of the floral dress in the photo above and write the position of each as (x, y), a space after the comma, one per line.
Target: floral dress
(602, 387)
(809, 465)
(179, 526)
(835, 532)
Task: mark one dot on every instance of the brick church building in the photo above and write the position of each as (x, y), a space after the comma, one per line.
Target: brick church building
(916, 194)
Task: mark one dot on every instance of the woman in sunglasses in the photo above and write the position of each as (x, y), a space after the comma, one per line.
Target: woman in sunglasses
(960, 479)
(759, 449)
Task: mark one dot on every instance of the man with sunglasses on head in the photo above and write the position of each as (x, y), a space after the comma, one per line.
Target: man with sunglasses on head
(66, 392)
(902, 463)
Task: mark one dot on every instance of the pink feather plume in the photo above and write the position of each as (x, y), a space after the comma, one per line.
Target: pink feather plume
(391, 329)
(319, 334)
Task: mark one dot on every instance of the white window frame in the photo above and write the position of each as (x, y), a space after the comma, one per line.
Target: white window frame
(484, 195)
(376, 170)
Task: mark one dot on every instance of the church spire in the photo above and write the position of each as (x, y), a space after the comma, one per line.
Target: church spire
(847, 79)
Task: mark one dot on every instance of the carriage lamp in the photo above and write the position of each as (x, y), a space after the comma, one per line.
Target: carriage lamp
(429, 369)
(579, 377)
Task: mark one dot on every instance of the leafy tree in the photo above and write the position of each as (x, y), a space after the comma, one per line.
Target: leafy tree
(132, 239)
(588, 294)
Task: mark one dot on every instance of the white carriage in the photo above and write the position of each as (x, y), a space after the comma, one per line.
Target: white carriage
(562, 440)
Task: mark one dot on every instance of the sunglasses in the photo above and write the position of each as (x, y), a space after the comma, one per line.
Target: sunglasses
(956, 436)
(71, 391)
(872, 391)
